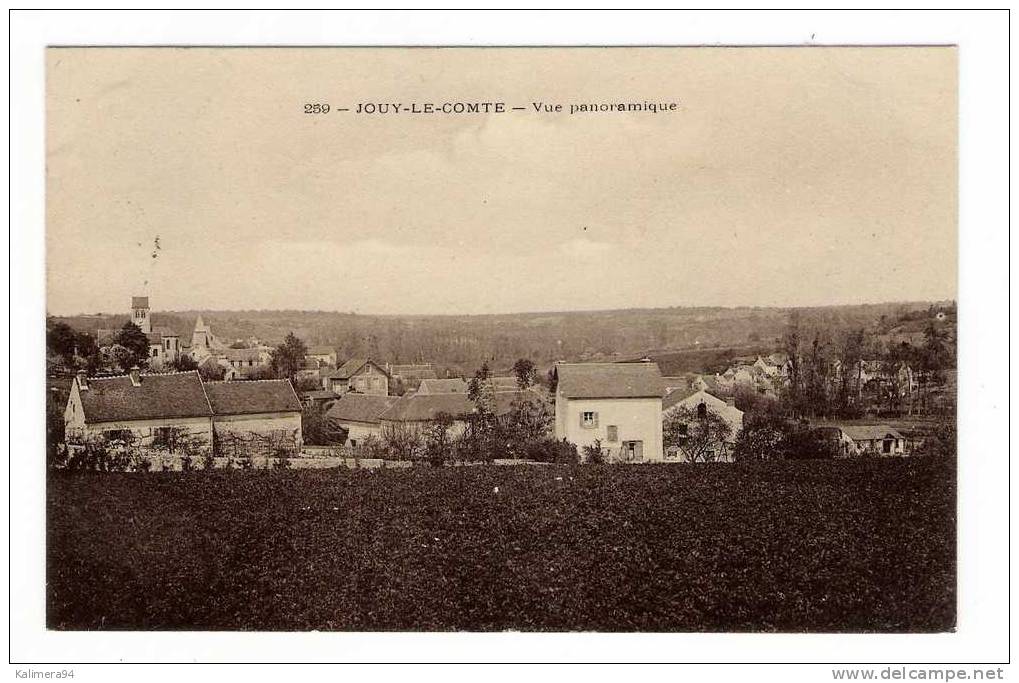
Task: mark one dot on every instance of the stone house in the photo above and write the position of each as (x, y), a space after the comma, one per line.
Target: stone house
(362, 375)
(141, 407)
(417, 411)
(618, 404)
(260, 415)
(359, 415)
(147, 407)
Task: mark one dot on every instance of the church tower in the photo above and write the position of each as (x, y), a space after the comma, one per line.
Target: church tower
(200, 337)
(140, 313)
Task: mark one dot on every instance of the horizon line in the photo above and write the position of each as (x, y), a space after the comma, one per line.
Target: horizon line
(514, 313)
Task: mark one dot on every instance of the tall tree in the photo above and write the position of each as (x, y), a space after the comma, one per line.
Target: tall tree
(288, 358)
(525, 373)
(61, 340)
(134, 340)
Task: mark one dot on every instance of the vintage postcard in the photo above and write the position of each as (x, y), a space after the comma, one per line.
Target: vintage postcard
(578, 339)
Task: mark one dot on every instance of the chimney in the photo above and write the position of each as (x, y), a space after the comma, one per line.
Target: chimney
(82, 380)
(136, 376)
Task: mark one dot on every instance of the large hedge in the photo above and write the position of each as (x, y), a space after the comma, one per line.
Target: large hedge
(855, 545)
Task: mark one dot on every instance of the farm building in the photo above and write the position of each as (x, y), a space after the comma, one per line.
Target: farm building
(418, 410)
(261, 415)
(148, 407)
(618, 404)
(362, 375)
(867, 439)
(138, 407)
(358, 415)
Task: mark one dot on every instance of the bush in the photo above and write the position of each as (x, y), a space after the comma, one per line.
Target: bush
(550, 450)
(593, 453)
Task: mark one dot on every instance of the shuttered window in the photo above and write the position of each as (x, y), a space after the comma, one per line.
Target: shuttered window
(589, 419)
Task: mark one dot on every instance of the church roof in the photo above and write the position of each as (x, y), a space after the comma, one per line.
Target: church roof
(139, 302)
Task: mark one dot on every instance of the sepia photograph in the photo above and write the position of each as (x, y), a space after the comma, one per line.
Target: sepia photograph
(550, 339)
(381, 338)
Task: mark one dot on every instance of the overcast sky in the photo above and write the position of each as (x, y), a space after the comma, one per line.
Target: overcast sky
(786, 177)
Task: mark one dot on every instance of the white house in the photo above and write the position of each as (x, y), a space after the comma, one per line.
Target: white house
(618, 404)
(700, 402)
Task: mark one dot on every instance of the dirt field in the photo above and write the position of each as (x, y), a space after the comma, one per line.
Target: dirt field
(861, 545)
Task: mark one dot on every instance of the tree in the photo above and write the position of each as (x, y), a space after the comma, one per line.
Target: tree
(437, 442)
(183, 363)
(306, 384)
(134, 340)
(529, 421)
(318, 429)
(288, 357)
(700, 434)
(62, 340)
(525, 372)
(211, 371)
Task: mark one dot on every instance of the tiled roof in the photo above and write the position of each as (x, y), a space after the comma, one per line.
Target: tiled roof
(360, 407)
(420, 371)
(318, 394)
(258, 396)
(165, 331)
(155, 338)
(868, 432)
(160, 396)
(351, 368)
(423, 407)
(139, 302)
(321, 351)
(609, 380)
(676, 395)
(242, 354)
(443, 386)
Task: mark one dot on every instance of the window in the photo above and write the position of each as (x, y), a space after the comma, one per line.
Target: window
(682, 429)
(702, 411)
(888, 445)
(589, 419)
(613, 435)
(155, 351)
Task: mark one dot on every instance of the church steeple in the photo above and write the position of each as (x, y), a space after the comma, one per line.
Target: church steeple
(140, 313)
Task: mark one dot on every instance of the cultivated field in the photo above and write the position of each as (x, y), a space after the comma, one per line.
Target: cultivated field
(863, 545)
